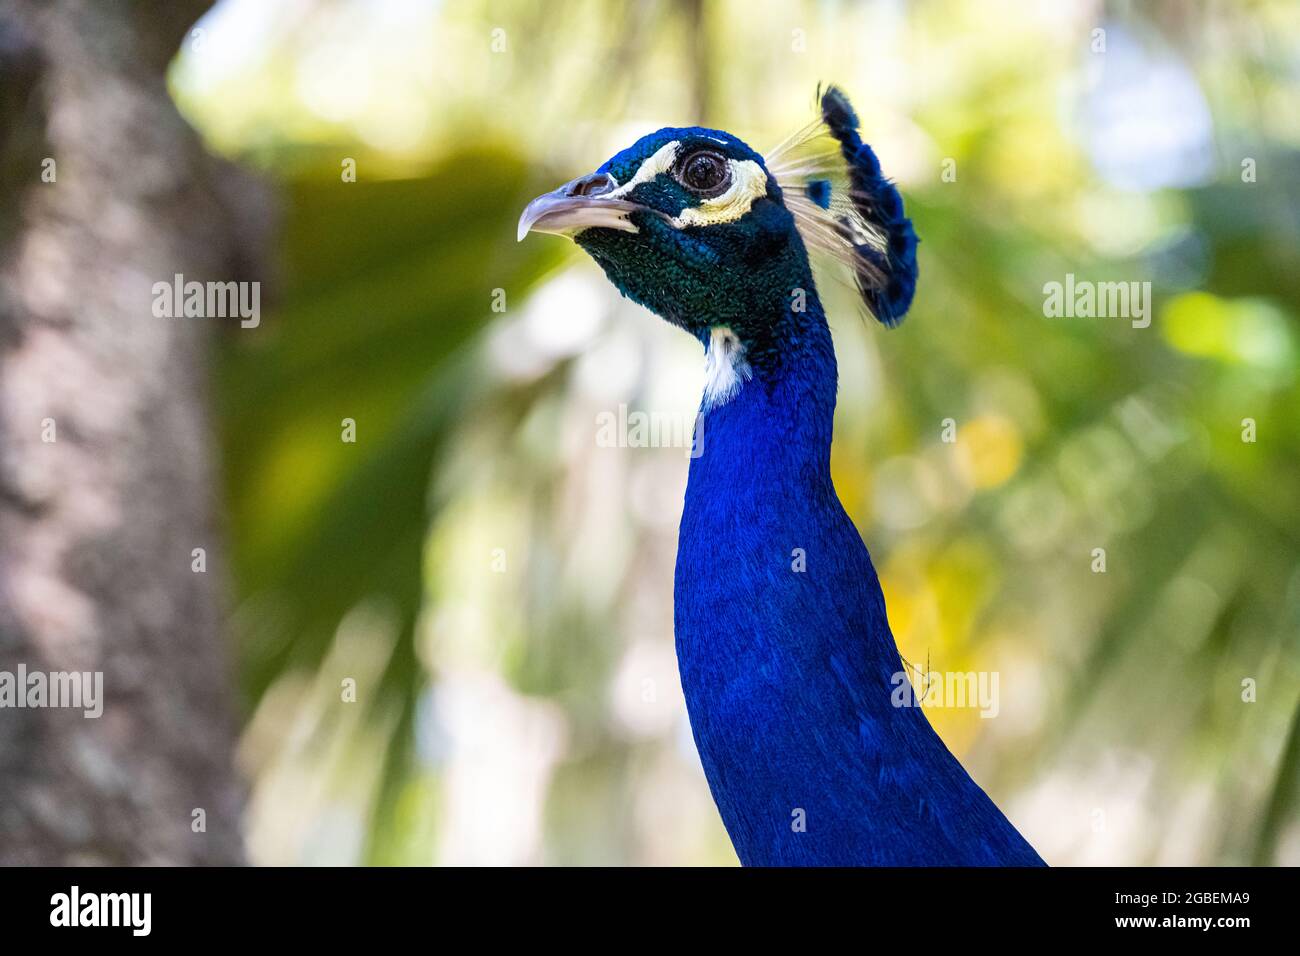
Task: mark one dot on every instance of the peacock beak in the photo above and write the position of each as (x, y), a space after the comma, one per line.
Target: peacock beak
(586, 202)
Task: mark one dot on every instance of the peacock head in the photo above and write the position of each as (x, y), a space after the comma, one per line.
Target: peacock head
(698, 227)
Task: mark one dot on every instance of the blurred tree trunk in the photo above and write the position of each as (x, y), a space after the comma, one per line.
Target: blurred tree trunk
(97, 526)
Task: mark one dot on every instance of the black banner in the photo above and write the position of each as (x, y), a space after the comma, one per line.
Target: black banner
(550, 907)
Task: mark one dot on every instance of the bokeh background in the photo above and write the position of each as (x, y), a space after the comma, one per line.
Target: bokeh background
(499, 585)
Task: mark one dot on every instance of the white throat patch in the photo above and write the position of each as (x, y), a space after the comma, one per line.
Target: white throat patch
(725, 368)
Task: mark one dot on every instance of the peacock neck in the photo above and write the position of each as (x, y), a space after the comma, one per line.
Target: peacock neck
(773, 432)
(787, 662)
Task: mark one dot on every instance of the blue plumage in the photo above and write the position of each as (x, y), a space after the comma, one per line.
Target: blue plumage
(787, 674)
(819, 191)
(786, 656)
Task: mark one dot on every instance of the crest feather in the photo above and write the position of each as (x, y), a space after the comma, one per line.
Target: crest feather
(845, 208)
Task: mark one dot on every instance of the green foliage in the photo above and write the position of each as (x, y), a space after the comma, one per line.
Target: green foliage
(1123, 690)
(385, 283)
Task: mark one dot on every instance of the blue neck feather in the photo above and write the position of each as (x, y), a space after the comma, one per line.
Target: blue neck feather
(787, 660)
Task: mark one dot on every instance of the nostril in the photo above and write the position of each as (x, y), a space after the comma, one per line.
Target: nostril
(594, 185)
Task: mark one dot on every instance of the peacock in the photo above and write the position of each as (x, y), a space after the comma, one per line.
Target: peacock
(787, 666)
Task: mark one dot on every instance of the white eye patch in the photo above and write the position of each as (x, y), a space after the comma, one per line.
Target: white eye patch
(661, 162)
(748, 183)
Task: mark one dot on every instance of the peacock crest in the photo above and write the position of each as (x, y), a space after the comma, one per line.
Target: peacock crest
(846, 209)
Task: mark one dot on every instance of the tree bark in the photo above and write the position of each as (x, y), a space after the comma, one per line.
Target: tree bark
(97, 526)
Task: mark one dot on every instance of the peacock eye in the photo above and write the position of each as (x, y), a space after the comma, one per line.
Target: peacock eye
(705, 172)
